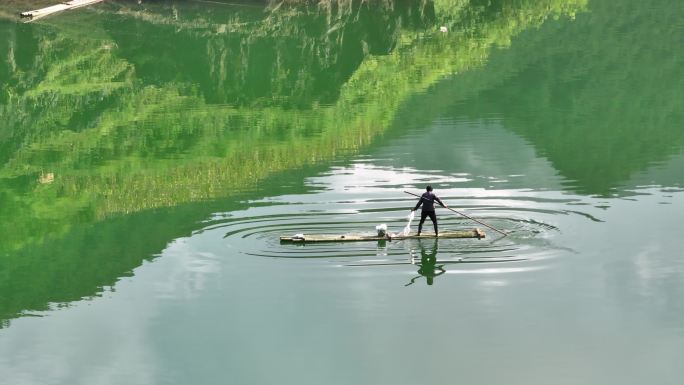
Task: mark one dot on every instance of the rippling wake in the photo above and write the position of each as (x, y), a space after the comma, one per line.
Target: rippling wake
(530, 245)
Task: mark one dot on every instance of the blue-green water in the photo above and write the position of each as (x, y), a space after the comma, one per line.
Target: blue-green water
(152, 154)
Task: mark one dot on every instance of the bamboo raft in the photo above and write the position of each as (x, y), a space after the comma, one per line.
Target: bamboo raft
(315, 238)
(63, 6)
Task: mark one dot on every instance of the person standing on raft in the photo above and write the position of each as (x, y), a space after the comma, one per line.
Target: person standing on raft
(428, 201)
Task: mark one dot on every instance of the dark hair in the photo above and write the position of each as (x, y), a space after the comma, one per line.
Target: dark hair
(428, 188)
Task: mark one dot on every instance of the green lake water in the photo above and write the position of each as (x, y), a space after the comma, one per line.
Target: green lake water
(152, 154)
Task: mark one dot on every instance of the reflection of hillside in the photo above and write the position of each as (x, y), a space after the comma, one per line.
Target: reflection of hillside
(121, 141)
(600, 112)
(90, 258)
(118, 146)
(245, 56)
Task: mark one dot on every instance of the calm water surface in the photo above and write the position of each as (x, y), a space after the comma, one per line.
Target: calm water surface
(151, 155)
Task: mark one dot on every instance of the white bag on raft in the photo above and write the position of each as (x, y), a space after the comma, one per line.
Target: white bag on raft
(382, 229)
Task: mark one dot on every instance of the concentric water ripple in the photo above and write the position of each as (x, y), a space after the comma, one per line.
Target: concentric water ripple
(527, 221)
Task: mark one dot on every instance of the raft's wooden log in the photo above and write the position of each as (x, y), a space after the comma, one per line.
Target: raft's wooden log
(314, 238)
(63, 6)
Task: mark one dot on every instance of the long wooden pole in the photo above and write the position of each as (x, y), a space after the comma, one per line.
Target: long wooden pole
(460, 213)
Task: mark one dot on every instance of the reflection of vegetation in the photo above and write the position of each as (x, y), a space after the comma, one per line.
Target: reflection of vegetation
(293, 56)
(599, 112)
(122, 136)
(116, 146)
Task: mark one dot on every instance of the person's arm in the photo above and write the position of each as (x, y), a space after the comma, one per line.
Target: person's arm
(440, 201)
(420, 202)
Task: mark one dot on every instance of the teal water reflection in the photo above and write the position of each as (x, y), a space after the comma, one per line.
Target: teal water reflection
(145, 180)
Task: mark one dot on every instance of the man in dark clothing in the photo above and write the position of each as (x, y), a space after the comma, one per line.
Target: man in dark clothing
(428, 201)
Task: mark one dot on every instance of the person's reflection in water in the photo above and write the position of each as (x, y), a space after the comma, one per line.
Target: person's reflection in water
(428, 267)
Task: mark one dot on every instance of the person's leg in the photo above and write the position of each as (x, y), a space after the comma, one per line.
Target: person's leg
(423, 215)
(433, 217)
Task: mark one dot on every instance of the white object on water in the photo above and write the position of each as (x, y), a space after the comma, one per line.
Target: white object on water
(382, 229)
(298, 236)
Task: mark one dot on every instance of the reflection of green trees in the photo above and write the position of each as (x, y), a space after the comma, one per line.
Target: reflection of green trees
(599, 112)
(288, 56)
(117, 146)
(121, 140)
